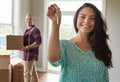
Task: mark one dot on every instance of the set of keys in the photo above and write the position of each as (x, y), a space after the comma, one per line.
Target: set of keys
(58, 15)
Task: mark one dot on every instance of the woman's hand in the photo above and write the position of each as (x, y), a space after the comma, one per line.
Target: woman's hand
(54, 13)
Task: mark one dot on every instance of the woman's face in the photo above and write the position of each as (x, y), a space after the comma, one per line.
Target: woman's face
(86, 20)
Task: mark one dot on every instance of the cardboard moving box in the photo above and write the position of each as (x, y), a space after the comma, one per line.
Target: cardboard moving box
(17, 72)
(5, 68)
(4, 61)
(14, 42)
(5, 74)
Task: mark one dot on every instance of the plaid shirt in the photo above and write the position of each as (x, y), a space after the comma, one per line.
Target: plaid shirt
(30, 36)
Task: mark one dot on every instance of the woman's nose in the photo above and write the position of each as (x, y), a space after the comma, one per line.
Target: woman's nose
(86, 20)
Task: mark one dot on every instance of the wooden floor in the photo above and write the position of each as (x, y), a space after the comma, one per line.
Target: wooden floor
(48, 77)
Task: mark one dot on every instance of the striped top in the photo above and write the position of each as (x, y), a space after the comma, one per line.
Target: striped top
(80, 66)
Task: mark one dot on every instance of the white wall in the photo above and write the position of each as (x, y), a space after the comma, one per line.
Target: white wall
(113, 18)
(39, 15)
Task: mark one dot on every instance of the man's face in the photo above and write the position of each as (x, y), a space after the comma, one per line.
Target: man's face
(29, 20)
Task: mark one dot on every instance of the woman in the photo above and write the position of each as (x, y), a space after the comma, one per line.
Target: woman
(86, 57)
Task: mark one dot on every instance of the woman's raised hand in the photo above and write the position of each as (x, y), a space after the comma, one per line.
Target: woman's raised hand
(54, 13)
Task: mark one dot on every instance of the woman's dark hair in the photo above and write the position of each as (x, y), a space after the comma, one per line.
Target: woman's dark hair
(98, 37)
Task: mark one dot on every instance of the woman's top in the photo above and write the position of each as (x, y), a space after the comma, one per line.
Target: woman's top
(80, 66)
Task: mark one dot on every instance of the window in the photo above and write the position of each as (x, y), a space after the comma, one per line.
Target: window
(5, 23)
(68, 8)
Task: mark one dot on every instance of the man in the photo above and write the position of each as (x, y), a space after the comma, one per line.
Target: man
(32, 40)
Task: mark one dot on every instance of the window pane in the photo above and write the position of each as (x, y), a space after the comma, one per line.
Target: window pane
(66, 28)
(4, 30)
(6, 11)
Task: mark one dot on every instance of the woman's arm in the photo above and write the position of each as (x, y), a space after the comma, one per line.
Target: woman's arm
(54, 45)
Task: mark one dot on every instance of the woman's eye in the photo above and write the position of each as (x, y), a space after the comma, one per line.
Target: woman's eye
(82, 17)
(93, 18)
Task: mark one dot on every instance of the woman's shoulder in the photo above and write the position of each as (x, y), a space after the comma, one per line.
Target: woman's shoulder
(65, 42)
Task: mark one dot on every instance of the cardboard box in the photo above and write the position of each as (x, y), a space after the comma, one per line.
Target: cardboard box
(5, 74)
(17, 70)
(14, 42)
(5, 68)
(17, 73)
(4, 61)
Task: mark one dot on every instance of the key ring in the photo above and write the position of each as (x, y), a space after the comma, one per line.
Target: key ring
(58, 15)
